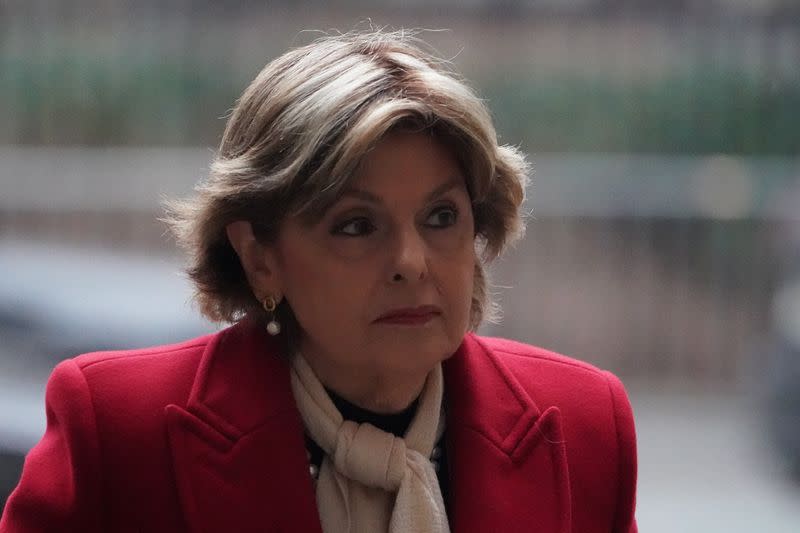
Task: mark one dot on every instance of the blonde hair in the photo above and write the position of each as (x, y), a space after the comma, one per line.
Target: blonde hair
(298, 134)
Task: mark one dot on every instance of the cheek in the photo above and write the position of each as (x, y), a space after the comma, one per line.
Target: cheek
(324, 292)
(355, 251)
(468, 284)
(457, 279)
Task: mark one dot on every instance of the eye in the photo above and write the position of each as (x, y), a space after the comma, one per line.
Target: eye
(442, 217)
(354, 227)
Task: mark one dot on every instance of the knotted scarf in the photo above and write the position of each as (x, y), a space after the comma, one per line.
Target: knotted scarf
(370, 480)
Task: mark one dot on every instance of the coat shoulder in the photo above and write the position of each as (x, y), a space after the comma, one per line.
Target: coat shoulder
(143, 380)
(575, 386)
(144, 356)
(535, 354)
(598, 424)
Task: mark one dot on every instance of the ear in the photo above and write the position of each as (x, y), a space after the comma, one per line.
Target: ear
(258, 260)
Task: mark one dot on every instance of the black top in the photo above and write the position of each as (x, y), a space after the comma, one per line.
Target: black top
(395, 423)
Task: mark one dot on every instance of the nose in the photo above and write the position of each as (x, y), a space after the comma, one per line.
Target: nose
(409, 257)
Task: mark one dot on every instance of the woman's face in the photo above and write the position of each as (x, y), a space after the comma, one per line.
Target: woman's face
(382, 285)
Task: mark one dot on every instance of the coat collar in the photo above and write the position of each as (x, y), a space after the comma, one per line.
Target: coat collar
(508, 458)
(237, 447)
(239, 454)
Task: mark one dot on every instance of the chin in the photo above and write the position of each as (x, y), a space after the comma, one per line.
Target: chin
(414, 354)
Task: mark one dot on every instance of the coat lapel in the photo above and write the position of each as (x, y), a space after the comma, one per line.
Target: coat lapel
(238, 449)
(508, 462)
(239, 454)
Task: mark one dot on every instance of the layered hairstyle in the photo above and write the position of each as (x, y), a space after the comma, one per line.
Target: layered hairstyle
(297, 136)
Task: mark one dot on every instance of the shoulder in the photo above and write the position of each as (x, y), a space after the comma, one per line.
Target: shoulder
(596, 414)
(552, 378)
(530, 362)
(143, 379)
(143, 357)
(530, 354)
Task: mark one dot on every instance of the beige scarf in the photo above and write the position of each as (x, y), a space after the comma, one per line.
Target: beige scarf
(370, 480)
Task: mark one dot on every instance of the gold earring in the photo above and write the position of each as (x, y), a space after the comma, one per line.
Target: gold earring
(270, 303)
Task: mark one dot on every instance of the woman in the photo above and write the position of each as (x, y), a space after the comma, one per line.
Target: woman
(357, 194)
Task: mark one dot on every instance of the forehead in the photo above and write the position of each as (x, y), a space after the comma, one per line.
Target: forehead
(404, 160)
(416, 162)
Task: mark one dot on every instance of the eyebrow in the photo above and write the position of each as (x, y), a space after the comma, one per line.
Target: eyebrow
(367, 196)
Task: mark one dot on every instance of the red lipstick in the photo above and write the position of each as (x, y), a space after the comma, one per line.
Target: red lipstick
(411, 316)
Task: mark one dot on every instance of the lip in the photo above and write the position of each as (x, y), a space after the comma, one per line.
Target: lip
(410, 315)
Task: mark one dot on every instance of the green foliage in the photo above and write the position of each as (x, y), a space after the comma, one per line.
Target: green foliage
(71, 102)
(690, 113)
(169, 102)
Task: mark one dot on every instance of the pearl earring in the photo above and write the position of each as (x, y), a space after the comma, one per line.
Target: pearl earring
(273, 326)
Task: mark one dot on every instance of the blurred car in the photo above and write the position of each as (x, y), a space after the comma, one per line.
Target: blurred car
(783, 375)
(57, 302)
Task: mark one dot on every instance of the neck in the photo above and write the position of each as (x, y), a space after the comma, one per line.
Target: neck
(367, 388)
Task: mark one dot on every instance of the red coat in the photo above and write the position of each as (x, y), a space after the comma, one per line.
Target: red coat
(204, 436)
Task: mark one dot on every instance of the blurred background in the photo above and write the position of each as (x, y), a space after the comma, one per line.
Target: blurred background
(664, 240)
